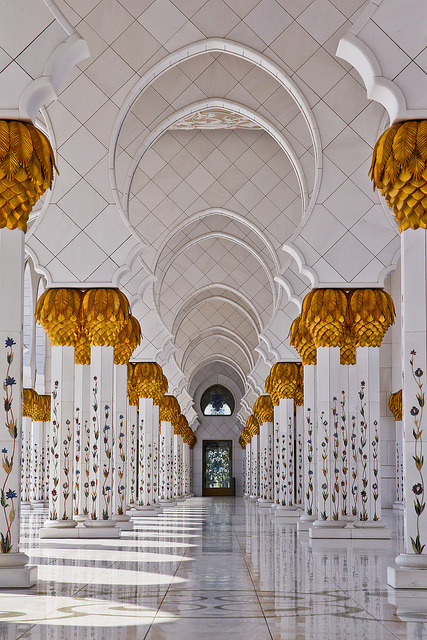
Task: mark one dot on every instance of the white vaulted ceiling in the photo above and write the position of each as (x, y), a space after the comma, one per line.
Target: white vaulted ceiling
(199, 140)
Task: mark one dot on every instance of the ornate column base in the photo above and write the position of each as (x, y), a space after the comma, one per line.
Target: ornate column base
(398, 505)
(289, 513)
(343, 530)
(410, 573)
(38, 505)
(14, 571)
(141, 511)
(305, 522)
(170, 502)
(26, 506)
(262, 503)
(123, 522)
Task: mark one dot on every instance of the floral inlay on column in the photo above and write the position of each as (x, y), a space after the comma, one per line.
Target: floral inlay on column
(363, 515)
(418, 489)
(120, 469)
(8, 493)
(106, 485)
(354, 459)
(77, 479)
(67, 451)
(94, 448)
(344, 456)
(325, 470)
(310, 489)
(54, 454)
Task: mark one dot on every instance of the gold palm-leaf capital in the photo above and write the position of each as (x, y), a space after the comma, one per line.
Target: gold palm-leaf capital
(169, 410)
(324, 313)
(263, 409)
(27, 167)
(58, 311)
(399, 171)
(105, 311)
(395, 405)
(371, 313)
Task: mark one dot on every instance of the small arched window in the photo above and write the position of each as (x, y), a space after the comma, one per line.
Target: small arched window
(217, 401)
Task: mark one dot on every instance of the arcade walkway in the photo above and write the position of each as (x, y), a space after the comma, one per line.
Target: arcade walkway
(211, 569)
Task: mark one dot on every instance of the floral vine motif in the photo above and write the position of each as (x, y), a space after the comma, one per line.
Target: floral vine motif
(418, 489)
(310, 492)
(291, 462)
(344, 460)
(121, 468)
(76, 490)
(299, 487)
(85, 509)
(284, 472)
(277, 466)
(363, 455)
(95, 452)
(148, 483)
(354, 466)
(336, 450)
(54, 455)
(375, 484)
(8, 494)
(325, 484)
(66, 484)
(132, 465)
(106, 488)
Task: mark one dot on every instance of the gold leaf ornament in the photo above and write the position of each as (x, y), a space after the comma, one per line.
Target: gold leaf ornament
(299, 389)
(263, 409)
(301, 340)
(324, 313)
(127, 340)
(150, 381)
(58, 311)
(371, 313)
(27, 167)
(41, 411)
(399, 171)
(29, 401)
(169, 410)
(284, 379)
(252, 425)
(131, 386)
(105, 313)
(395, 405)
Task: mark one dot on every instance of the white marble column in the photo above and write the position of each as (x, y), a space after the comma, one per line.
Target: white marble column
(368, 425)
(26, 468)
(247, 454)
(37, 476)
(14, 570)
(61, 472)
(311, 453)
(286, 434)
(131, 495)
(82, 454)
(328, 394)
(147, 427)
(299, 455)
(411, 571)
(166, 464)
(186, 468)
(254, 467)
(101, 442)
(399, 504)
(265, 465)
(178, 468)
(120, 447)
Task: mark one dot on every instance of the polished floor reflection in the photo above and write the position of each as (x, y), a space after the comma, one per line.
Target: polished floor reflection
(216, 569)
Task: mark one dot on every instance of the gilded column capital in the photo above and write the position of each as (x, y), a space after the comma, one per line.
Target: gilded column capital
(27, 166)
(395, 405)
(324, 313)
(150, 381)
(169, 410)
(301, 340)
(127, 340)
(399, 171)
(299, 389)
(371, 313)
(105, 311)
(131, 386)
(82, 349)
(29, 400)
(263, 409)
(252, 425)
(59, 313)
(348, 351)
(41, 412)
(284, 379)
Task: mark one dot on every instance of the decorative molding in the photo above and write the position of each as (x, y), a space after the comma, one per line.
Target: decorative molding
(215, 118)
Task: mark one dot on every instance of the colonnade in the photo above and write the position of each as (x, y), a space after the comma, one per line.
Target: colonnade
(324, 467)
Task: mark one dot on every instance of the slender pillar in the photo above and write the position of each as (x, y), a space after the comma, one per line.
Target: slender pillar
(311, 453)
(178, 469)
(26, 465)
(61, 440)
(169, 412)
(131, 459)
(120, 447)
(247, 454)
(147, 429)
(186, 468)
(254, 461)
(395, 406)
(299, 455)
(82, 453)
(411, 571)
(101, 438)
(266, 464)
(37, 476)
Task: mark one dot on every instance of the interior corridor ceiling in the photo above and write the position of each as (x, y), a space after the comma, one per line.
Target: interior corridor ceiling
(215, 170)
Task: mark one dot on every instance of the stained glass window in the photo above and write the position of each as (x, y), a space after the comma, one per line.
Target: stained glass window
(217, 401)
(217, 464)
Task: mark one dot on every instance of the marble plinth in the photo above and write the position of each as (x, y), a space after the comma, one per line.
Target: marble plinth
(15, 572)
(167, 503)
(349, 532)
(143, 512)
(305, 522)
(264, 504)
(410, 573)
(79, 532)
(399, 506)
(287, 513)
(123, 521)
(38, 505)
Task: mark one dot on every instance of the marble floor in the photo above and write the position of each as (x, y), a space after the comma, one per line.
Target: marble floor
(211, 569)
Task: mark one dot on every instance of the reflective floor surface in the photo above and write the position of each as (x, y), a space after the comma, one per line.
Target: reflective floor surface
(211, 569)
